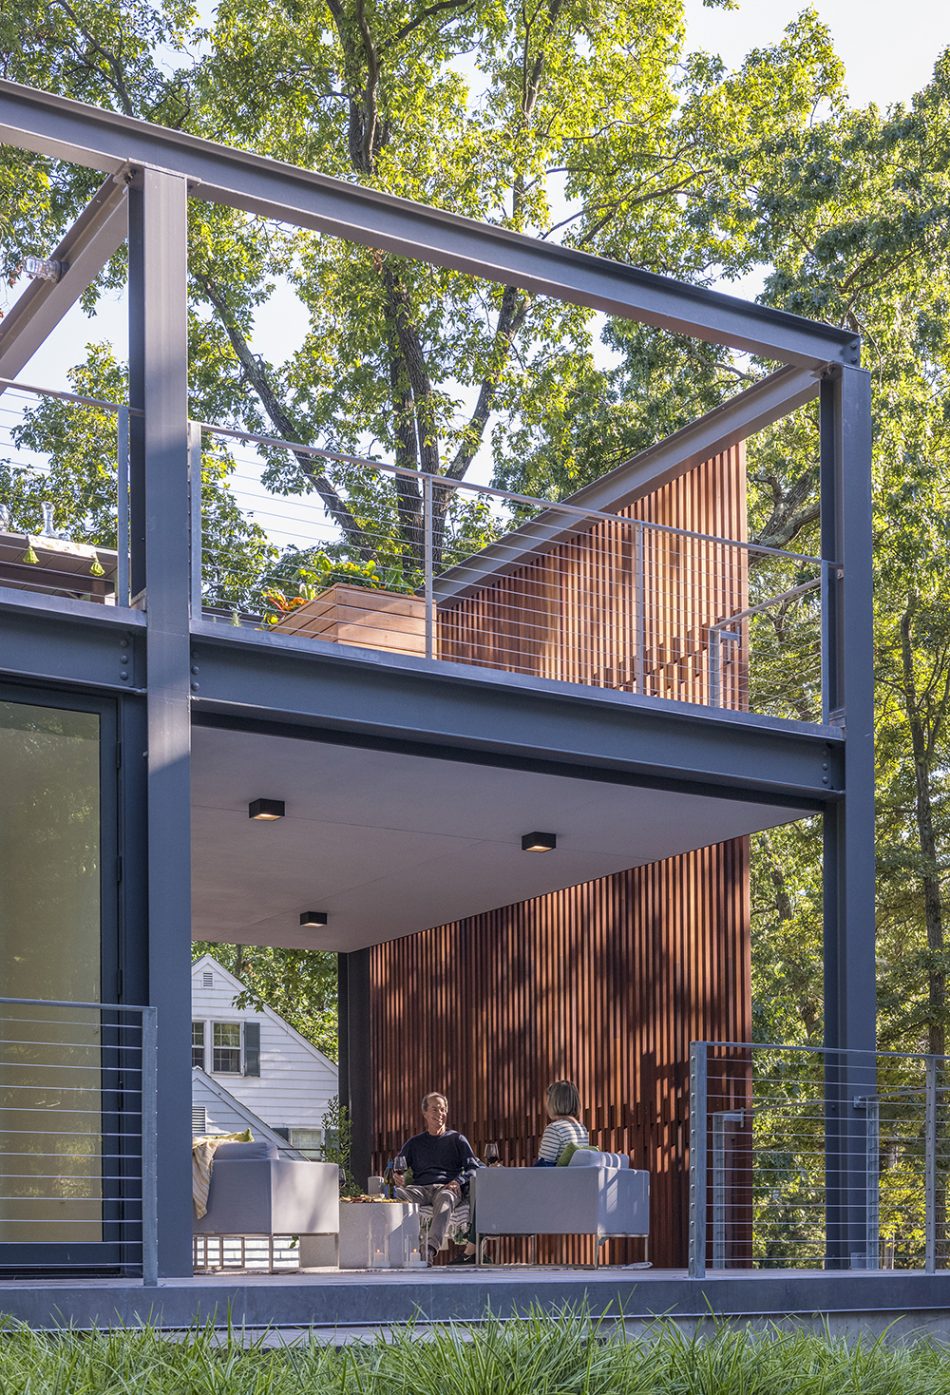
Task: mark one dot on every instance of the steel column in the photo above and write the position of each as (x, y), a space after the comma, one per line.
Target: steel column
(849, 962)
(158, 359)
(356, 1059)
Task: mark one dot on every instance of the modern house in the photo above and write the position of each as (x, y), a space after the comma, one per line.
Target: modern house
(250, 1066)
(514, 796)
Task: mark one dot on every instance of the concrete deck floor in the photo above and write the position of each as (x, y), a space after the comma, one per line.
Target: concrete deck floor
(340, 1302)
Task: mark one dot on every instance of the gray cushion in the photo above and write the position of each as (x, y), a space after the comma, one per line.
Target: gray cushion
(592, 1157)
(246, 1152)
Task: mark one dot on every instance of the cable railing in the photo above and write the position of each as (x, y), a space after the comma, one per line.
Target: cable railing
(64, 494)
(339, 548)
(78, 1138)
(333, 547)
(812, 1158)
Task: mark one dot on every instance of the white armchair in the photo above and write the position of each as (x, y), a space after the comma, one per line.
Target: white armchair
(596, 1194)
(256, 1192)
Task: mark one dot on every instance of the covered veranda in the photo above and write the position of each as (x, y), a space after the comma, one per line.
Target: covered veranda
(410, 778)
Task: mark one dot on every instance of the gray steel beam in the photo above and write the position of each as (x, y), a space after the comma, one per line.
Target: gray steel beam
(84, 250)
(849, 872)
(444, 709)
(74, 643)
(742, 416)
(158, 380)
(86, 135)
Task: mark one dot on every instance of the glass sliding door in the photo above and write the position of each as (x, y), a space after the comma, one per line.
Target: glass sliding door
(57, 1098)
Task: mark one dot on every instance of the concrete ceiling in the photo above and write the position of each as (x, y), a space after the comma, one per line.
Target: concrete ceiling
(388, 843)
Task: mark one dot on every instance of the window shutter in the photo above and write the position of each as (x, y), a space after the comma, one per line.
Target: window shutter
(199, 1120)
(252, 1048)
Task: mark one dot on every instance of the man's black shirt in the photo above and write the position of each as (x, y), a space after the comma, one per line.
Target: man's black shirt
(441, 1157)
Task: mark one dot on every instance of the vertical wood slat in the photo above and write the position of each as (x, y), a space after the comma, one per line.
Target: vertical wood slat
(568, 613)
(605, 983)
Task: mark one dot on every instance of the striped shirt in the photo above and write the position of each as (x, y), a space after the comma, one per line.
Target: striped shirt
(558, 1134)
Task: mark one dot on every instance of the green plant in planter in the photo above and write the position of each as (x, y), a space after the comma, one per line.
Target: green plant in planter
(337, 1143)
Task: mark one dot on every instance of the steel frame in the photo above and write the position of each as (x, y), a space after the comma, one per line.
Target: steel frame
(177, 662)
(97, 233)
(103, 140)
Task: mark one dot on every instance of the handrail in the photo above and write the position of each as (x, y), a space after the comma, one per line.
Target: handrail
(70, 396)
(507, 496)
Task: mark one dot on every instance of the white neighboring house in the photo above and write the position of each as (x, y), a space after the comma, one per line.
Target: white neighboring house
(251, 1069)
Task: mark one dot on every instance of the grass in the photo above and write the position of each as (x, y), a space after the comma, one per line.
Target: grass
(540, 1355)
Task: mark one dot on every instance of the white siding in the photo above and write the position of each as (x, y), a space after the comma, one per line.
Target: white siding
(296, 1082)
(219, 1116)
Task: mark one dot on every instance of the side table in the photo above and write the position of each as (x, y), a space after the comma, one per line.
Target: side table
(373, 1235)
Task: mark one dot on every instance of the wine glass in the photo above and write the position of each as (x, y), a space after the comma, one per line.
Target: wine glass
(492, 1155)
(401, 1164)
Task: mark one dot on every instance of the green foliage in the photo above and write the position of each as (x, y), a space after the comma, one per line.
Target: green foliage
(562, 1352)
(299, 984)
(588, 123)
(338, 1145)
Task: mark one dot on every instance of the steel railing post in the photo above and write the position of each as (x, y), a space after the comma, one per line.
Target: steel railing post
(149, 1146)
(872, 1164)
(122, 592)
(826, 656)
(427, 563)
(930, 1166)
(715, 666)
(698, 1106)
(722, 1121)
(194, 486)
(639, 609)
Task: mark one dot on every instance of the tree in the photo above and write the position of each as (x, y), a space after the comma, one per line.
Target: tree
(585, 123)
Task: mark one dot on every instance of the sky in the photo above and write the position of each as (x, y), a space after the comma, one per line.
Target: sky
(888, 50)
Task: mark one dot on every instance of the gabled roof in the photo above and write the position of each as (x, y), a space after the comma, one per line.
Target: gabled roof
(253, 1121)
(208, 961)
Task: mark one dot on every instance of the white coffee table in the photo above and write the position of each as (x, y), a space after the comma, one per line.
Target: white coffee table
(373, 1235)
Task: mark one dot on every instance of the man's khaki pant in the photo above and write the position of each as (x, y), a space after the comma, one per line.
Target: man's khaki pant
(441, 1198)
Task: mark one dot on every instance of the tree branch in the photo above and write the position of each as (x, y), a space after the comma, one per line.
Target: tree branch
(514, 309)
(399, 315)
(439, 8)
(282, 422)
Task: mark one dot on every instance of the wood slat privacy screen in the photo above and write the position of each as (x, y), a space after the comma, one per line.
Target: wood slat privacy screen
(604, 983)
(571, 612)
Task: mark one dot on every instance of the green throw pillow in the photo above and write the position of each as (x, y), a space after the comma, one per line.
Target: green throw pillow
(569, 1150)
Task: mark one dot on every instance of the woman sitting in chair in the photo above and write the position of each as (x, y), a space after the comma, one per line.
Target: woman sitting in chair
(565, 1129)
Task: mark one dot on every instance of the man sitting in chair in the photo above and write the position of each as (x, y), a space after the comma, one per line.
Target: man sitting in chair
(442, 1164)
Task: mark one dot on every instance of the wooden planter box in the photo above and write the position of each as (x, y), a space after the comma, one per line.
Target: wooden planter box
(363, 617)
